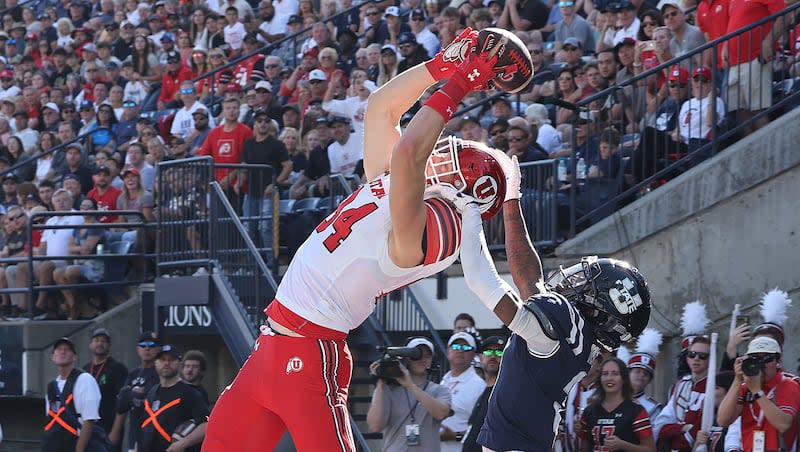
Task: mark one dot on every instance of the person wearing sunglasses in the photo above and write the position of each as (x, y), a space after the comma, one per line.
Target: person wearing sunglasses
(685, 37)
(677, 425)
(130, 402)
(766, 398)
(175, 74)
(490, 356)
(183, 124)
(698, 117)
(465, 385)
(409, 409)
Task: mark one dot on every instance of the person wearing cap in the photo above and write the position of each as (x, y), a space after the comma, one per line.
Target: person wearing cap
(418, 25)
(628, 22)
(768, 402)
(263, 149)
(698, 118)
(412, 53)
(676, 426)
(491, 353)
(183, 123)
(464, 384)
(28, 136)
(74, 166)
(471, 129)
(498, 134)
(198, 135)
(109, 374)
(573, 26)
(167, 44)
(408, 410)
(344, 152)
(130, 402)
(72, 403)
(289, 87)
(168, 405)
(266, 101)
(388, 64)
(175, 74)
(7, 86)
(104, 194)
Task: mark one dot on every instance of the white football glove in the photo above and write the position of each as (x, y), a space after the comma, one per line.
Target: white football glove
(450, 193)
(480, 273)
(510, 168)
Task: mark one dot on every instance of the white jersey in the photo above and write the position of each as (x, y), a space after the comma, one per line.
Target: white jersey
(650, 404)
(342, 268)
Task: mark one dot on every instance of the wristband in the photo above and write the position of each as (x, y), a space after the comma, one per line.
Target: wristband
(445, 100)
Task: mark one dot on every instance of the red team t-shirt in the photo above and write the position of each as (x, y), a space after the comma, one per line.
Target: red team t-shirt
(226, 147)
(741, 13)
(712, 18)
(106, 201)
(785, 393)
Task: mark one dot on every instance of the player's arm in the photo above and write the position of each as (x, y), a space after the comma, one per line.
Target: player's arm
(385, 106)
(523, 260)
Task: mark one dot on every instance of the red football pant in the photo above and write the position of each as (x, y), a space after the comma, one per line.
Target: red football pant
(287, 382)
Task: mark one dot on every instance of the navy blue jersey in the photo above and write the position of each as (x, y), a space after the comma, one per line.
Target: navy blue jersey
(531, 388)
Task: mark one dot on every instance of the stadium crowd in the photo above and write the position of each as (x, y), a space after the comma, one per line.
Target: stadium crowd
(144, 83)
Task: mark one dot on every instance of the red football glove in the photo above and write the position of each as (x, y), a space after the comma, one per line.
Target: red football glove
(475, 73)
(448, 58)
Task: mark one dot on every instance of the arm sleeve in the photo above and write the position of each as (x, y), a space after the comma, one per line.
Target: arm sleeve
(527, 326)
(665, 418)
(87, 397)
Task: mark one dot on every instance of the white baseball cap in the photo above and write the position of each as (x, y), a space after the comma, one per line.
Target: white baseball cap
(317, 74)
(763, 344)
(462, 335)
(417, 341)
(392, 11)
(265, 85)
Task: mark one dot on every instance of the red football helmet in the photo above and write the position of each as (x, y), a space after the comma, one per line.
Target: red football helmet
(467, 167)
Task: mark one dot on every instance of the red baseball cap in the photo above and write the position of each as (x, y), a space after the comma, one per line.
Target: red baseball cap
(679, 74)
(702, 72)
(131, 170)
(7, 74)
(233, 87)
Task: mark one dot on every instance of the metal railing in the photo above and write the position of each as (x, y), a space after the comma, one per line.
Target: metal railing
(235, 255)
(115, 268)
(185, 223)
(656, 152)
(31, 160)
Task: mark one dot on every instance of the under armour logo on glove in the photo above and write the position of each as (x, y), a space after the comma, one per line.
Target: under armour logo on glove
(472, 76)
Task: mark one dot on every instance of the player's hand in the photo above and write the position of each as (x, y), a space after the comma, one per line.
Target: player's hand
(445, 61)
(405, 380)
(448, 192)
(614, 443)
(477, 71)
(702, 437)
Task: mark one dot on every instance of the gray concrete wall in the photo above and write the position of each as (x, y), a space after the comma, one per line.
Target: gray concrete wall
(724, 233)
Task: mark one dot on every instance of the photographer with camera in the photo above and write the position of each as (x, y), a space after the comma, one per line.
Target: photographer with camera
(407, 407)
(767, 400)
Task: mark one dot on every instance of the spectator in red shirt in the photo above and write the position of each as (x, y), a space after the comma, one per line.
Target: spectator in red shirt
(749, 58)
(225, 143)
(712, 19)
(768, 401)
(103, 193)
(171, 81)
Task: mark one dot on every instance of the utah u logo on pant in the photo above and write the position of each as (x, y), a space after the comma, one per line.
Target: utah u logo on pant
(294, 365)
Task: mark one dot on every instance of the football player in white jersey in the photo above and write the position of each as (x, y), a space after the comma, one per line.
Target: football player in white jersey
(384, 236)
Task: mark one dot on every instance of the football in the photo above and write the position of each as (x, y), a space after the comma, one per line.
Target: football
(514, 66)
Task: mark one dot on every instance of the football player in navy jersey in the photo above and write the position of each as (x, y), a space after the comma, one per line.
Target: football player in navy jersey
(559, 328)
(613, 421)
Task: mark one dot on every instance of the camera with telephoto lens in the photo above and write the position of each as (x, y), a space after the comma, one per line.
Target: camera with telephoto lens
(752, 366)
(389, 366)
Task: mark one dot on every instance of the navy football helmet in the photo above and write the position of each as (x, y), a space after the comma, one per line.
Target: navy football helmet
(613, 295)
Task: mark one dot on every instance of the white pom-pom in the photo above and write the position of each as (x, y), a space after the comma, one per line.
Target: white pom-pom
(649, 341)
(694, 319)
(773, 306)
(624, 354)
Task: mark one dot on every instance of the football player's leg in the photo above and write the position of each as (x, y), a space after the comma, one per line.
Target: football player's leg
(316, 414)
(239, 420)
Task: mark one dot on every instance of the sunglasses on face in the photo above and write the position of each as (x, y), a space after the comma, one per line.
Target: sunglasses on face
(272, 66)
(490, 353)
(372, 13)
(677, 85)
(462, 347)
(699, 355)
(536, 51)
(314, 82)
(91, 70)
(515, 139)
(147, 344)
(701, 79)
(765, 359)
(418, 19)
(216, 57)
(187, 90)
(670, 15)
(68, 111)
(496, 132)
